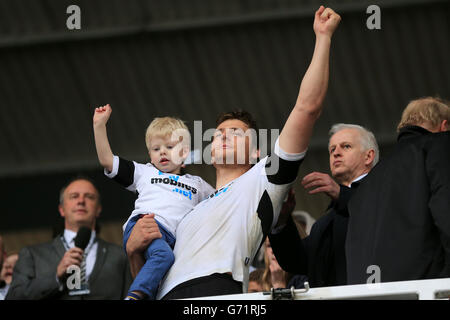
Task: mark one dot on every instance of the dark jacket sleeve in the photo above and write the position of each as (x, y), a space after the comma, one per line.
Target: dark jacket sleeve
(290, 249)
(26, 285)
(438, 172)
(341, 205)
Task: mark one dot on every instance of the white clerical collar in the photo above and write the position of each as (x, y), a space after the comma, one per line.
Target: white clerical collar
(357, 179)
(70, 235)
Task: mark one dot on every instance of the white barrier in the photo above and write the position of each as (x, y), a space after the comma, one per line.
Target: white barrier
(401, 290)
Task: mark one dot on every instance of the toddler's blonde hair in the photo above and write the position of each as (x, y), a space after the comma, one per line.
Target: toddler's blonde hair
(167, 126)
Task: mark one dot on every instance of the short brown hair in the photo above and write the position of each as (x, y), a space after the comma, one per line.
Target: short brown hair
(256, 275)
(427, 110)
(242, 115)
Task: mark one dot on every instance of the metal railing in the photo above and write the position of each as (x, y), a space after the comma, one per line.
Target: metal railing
(434, 289)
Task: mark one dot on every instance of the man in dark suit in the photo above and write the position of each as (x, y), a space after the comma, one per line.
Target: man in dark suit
(2, 252)
(400, 216)
(46, 271)
(353, 152)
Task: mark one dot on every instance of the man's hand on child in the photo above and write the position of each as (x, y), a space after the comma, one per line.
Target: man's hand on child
(144, 232)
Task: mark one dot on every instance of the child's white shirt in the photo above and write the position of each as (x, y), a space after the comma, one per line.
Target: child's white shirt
(169, 196)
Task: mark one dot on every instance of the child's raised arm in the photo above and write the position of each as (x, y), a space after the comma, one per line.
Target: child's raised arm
(104, 153)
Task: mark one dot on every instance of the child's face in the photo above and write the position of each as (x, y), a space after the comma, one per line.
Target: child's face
(166, 154)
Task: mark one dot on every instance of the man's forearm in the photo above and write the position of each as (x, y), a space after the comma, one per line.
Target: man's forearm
(137, 261)
(315, 81)
(297, 131)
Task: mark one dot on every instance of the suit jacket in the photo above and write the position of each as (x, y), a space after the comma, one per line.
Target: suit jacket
(34, 276)
(321, 255)
(400, 215)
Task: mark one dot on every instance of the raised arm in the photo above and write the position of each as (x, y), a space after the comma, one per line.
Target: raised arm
(104, 153)
(295, 136)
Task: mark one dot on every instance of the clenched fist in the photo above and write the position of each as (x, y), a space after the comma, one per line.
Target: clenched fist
(101, 115)
(326, 21)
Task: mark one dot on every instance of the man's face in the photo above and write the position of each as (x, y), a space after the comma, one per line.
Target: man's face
(80, 205)
(8, 268)
(167, 154)
(254, 286)
(231, 143)
(347, 159)
(269, 252)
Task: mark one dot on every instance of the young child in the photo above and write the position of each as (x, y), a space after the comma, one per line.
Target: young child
(160, 187)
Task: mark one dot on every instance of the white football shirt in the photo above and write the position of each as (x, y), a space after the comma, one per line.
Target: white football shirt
(223, 233)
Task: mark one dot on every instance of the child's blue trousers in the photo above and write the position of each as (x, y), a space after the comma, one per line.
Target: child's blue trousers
(158, 260)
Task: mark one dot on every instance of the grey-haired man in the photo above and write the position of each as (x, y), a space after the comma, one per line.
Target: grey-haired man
(353, 152)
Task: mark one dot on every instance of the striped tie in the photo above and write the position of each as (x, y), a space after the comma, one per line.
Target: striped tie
(83, 270)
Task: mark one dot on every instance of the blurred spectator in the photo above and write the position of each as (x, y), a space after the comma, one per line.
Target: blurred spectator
(255, 283)
(42, 271)
(6, 274)
(274, 276)
(304, 221)
(2, 252)
(258, 262)
(400, 216)
(321, 256)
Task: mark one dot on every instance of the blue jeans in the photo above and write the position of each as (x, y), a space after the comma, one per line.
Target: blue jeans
(158, 260)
